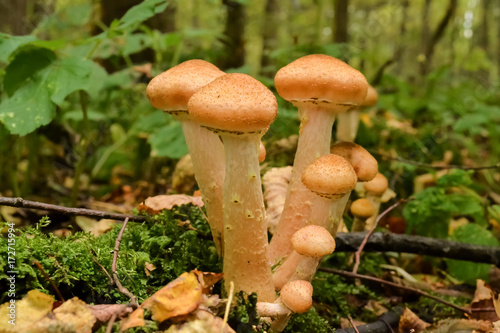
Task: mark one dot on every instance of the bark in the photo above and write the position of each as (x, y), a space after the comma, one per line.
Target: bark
(400, 54)
(381, 242)
(483, 40)
(20, 17)
(390, 318)
(234, 45)
(340, 21)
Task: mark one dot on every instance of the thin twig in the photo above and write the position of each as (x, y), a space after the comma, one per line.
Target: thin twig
(352, 324)
(365, 240)
(228, 306)
(47, 277)
(20, 202)
(123, 290)
(431, 166)
(111, 282)
(392, 284)
(111, 322)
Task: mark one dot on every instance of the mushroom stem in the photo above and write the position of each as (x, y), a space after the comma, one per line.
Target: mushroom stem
(314, 141)
(347, 126)
(245, 231)
(266, 309)
(207, 155)
(375, 200)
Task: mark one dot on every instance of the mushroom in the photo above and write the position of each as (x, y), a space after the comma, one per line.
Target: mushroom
(310, 245)
(375, 188)
(295, 297)
(170, 91)
(262, 152)
(361, 209)
(347, 126)
(364, 164)
(320, 86)
(240, 109)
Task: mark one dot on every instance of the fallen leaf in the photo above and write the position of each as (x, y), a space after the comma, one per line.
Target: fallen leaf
(459, 325)
(136, 319)
(201, 322)
(148, 268)
(496, 304)
(208, 280)
(153, 205)
(33, 307)
(376, 307)
(483, 299)
(144, 69)
(103, 312)
(96, 228)
(410, 321)
(177, 299)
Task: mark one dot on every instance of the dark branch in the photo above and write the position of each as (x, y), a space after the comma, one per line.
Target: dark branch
(382, 242)
(386, 323)
(20, 202)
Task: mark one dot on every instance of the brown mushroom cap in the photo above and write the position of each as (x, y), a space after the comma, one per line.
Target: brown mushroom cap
(297, 295)
(171, 90)
(371, 97)
(330, 176)
(362, 208)
(313, 241)
(320, 78)
(235, 103)
(365, 165)
(377, 185)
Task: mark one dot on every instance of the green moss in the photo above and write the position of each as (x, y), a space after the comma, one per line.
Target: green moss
(73, 263)
(307, 322)
(244, 318)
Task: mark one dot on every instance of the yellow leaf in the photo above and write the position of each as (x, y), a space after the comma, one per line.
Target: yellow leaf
(23, 313)
(136, 319)
(180, 297)
(153, 205)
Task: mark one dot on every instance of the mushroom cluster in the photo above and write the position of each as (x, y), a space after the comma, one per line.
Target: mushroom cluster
(224, 117)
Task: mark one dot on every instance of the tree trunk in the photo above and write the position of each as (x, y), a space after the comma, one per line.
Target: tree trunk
(340, 21)
(270, 33)
(400, 49)
(20, 17)
(234, 46)
(425, 35)
(437, 35)
(483, 40)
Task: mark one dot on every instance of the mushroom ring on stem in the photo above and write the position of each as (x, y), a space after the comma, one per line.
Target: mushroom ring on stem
(320, 86)
(171, 91)
(240, 109)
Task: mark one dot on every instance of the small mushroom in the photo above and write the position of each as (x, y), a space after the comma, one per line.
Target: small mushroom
(348, 123)
(361, 209)
(320, 86)
(170, 91)
(240, 109)
(310, 245)
(375, 188)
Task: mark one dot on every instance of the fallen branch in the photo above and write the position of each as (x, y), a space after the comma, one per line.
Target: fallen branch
(123, 290)
(387, 322)
(20, 202)
(389, 242)
(395, 285)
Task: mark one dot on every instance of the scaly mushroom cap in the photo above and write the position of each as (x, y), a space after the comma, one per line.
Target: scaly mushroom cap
(362, 208)
(330, 176)
(365, 165)
(234, 103)
(371, 97)
(171, 90)
(377, 185)
(319, 78)
(297, 295)
(313, 241)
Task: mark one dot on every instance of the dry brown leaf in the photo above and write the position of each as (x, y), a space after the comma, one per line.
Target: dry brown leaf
(208, 280)
(148, 268)
(483, 299)
(136, 319)
(177, 299)
(153, 205)
(103, 312)
(25, 312)
(201, 322)
(275, 182)
(496, 304)
(460, 325)
(376, 307)
(96, 228)
(409, 320)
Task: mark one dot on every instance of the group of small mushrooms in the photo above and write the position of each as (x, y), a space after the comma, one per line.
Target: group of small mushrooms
(224, 117)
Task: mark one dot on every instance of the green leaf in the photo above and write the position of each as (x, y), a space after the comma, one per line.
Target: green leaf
(77, 115)
(29, 108)
(168, 141)
(9, 44)
(151, 122)
(27, 62)
(68, 75)
(455, 178)
(468, 205)
(141, 12)
(468, 271)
